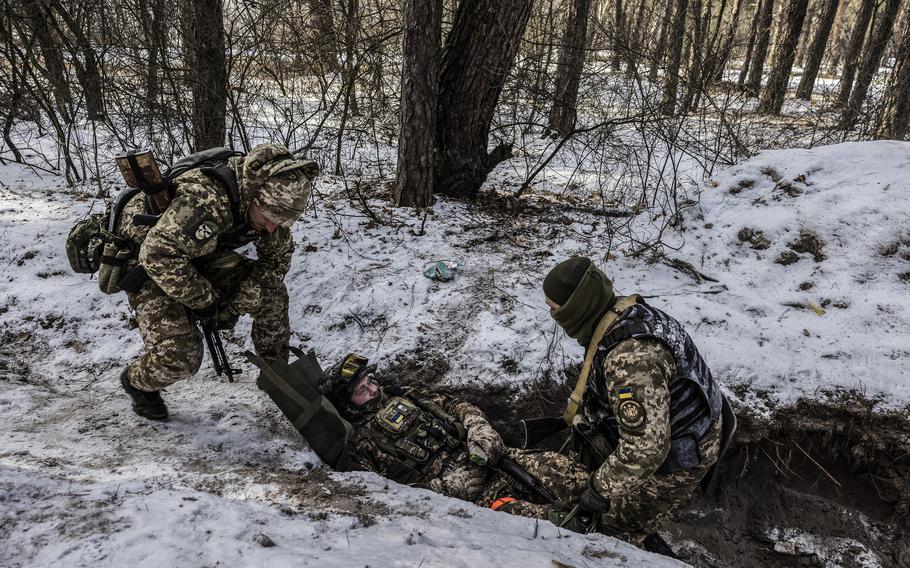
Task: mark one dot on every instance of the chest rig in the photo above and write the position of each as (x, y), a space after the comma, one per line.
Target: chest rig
(411, 436)
(695, 398)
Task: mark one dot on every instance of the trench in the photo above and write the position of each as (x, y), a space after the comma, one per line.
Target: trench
(821, 483)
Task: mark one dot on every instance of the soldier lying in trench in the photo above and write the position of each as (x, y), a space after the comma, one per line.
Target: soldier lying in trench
(436, 442)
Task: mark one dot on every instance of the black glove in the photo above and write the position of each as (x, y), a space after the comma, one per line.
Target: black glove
(217, 316)
(592, 502)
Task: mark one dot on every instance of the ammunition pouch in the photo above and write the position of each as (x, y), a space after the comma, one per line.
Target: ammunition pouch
(117, 253)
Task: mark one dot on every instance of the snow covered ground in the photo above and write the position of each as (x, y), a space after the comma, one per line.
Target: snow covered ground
(84, 480)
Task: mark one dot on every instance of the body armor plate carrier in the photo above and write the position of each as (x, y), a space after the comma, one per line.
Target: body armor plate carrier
(695, 398)
(412, 435)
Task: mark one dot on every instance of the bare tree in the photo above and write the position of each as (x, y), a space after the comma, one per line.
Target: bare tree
(762, 40)
(209, 76)
(773, 95)
(671, 81)
(817, 50)
(895, 118)
(750, 44)
(855, 49)
(568, 70)
(476, 60)
(875, 48)
(419, 91)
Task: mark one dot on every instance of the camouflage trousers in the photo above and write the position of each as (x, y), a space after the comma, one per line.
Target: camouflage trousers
(173, 343)
(635, 515)
(562, 475)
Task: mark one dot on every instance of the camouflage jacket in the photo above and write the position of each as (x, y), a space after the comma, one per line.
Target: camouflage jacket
(636, 377)
(448, 470)
(189, 230)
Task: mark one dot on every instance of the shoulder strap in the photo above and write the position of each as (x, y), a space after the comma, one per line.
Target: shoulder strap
(620, 306)
(226, 177)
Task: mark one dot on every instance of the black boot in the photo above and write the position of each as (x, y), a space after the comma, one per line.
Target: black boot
(146, 404)
(656, 544)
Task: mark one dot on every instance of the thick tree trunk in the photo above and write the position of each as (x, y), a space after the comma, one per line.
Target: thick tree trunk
(671, 81)
(209, 75)
(477, 57)
(854, 50)
(419, 90)
(872, 57)
(817, 50)
(750, 44)
(773, 95)
(568, 71)
(762, 40)
(895, 119)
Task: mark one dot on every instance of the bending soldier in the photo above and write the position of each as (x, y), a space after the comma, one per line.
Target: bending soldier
(441, 443)
(194, 272)
(650, 427)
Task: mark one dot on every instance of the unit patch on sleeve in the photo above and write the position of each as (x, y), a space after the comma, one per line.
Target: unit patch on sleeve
(205, 231)
(631, 413)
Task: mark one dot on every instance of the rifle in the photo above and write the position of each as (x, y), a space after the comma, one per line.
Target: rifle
(535, 430)
(216, 350)
(530, 483)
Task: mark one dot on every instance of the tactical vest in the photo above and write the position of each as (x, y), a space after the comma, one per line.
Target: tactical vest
(411, 436)
(695, 398)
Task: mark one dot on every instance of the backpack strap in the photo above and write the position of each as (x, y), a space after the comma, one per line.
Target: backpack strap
(225, 176)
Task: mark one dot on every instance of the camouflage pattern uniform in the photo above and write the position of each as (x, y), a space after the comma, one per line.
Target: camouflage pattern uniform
(452, 472)
(189, 269)
(641, 498)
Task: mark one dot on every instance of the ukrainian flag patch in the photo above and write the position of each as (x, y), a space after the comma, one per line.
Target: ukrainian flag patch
(625, 393)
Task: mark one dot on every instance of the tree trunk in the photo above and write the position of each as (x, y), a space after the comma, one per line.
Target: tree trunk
(872, 57)
(671, 81)
(895, 119)
(854, 49)
(419, 90)
(209, 74)
(568, 70)
(697, 67)
(619, 34)
(87, 72)
(324, 31)
(817, 50)
(38, 16)
(773, 96)
(720, 60)
(750, 45)
(477, 57)
(762, 39)
(661, 47)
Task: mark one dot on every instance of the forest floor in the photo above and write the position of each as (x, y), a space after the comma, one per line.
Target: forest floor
(790, 273)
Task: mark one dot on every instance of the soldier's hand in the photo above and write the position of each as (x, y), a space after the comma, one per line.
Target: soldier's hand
(215, 315)
(485, 445)
(592, 502)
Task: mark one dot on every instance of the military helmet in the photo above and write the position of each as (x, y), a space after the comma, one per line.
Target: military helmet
(337, 383)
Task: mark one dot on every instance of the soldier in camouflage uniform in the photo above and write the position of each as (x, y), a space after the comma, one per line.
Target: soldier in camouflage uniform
(650, 427)
(194, 273)
(440, 443)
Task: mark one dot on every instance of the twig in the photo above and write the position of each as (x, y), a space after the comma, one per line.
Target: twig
(825, 471)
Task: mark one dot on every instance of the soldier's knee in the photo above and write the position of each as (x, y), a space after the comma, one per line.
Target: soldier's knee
(181, 357)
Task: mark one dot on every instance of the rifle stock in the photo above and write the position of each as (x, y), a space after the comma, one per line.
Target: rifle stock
(535, 430)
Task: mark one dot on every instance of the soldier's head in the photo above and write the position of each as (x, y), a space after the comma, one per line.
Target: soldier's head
(350, 385)
(578, 295)
(275, 185)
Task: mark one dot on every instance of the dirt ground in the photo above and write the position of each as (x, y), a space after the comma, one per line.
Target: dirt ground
(823, 484)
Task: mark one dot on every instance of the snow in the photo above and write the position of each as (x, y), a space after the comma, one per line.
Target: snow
(79, 469)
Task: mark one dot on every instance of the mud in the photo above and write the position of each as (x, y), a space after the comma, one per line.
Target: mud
(820, 483)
